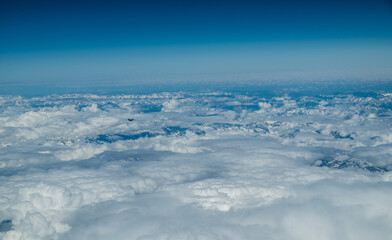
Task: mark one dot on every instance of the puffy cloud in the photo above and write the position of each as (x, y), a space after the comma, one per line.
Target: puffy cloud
(195, 166)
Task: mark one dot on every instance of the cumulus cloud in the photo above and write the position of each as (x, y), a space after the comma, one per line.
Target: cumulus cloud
(195, 166)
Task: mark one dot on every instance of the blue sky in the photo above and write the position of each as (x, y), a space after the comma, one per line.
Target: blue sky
(129, 40)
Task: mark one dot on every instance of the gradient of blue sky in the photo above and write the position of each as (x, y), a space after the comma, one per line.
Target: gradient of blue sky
(76, 40)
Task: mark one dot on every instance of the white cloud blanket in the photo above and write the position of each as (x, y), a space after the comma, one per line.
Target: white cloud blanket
(195, 166)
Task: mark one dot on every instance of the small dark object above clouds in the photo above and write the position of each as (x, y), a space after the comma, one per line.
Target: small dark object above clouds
(5, 225)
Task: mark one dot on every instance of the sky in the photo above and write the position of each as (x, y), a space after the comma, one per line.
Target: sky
(132, 41)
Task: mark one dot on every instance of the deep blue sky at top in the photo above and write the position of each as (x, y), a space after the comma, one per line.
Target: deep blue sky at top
(62, 25)
(34, 34)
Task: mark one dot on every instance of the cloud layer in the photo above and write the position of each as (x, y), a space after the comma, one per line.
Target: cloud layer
(195, 166)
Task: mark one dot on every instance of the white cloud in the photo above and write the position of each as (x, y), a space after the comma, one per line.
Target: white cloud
(195, 166)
